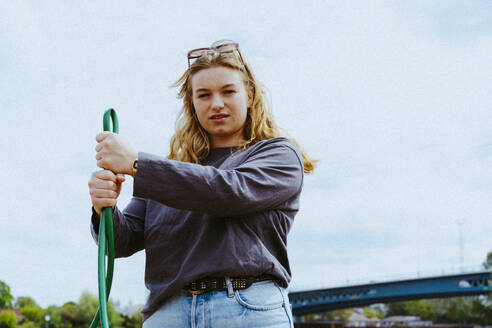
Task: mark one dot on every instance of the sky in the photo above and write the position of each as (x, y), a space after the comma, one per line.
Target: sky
(392, 97)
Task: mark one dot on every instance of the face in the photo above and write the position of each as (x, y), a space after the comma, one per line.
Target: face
(221, 103)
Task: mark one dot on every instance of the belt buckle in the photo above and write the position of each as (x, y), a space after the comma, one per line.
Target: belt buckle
(195, 292)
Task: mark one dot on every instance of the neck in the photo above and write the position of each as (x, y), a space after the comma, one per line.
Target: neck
(218, 142)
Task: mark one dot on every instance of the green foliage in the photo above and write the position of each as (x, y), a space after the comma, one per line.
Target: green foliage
(487, 264)
(482, 310)
(115, 318)
(8, 319)
(373, 311)
(135, 321)
(33, 313)
(310, 317)
(87, 308)
(343, 315)
(23, 301)
(459, 310)
(420, 308)
(6, 297)
(396, 308)
(68, 314)
(29, 324)
(379, 310)
(368, 312)
(55, 316)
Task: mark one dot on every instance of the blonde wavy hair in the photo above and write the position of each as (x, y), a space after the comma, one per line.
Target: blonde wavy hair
(191, 143)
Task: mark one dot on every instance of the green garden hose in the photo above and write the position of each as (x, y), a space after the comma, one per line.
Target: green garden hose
(105, 244)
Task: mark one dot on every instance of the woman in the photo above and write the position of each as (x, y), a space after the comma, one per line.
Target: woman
(213, 216)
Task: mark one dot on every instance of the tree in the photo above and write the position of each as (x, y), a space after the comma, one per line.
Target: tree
(87, 308)
(396, 308)
(374, 311)
(29, 324)
(343, 315)
(33, 313)
(5, 297)
(420, 309)
(8, 319)
(487, 264)
(115, 318)
(55, 316)
(135, 321)
(68, 313)
(379, 310)
(460, 311)
(23, 301)
(481, 310)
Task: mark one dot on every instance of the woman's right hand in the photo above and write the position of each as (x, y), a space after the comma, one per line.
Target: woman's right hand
(104, 189)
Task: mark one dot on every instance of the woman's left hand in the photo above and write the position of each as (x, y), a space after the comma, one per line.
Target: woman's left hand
(114, 153)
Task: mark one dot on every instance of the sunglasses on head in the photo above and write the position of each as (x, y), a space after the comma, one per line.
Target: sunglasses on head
(222, 46)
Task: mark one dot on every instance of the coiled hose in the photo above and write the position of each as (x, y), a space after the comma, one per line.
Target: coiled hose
(105, 244)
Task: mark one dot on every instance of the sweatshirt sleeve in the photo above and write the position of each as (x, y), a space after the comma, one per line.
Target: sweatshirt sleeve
(270, 175)
(128, 228)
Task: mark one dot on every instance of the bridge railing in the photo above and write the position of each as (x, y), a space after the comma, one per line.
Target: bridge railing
(296, 286)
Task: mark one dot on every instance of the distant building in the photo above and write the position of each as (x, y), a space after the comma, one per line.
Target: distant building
(405, 320)
(358, 319)
(320, 324)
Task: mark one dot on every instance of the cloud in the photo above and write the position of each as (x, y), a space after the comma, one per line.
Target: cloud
(392, 98)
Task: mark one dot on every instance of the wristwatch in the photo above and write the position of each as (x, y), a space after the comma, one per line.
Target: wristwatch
(134, 168)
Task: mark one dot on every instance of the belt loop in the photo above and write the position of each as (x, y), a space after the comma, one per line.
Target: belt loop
(230, 290)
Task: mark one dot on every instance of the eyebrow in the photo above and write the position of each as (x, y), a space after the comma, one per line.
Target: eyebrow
(223, 87)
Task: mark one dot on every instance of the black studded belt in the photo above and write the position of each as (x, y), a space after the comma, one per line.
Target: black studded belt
(209, 284)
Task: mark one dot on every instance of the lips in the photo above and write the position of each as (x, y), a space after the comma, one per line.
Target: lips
(218, 116)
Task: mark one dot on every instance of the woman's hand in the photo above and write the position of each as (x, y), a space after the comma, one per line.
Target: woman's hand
(104, 188)
(114, 154)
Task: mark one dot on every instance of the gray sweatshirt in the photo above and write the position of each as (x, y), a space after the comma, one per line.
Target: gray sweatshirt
(228, 216)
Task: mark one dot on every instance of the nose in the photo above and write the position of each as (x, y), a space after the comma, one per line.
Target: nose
(217, 102)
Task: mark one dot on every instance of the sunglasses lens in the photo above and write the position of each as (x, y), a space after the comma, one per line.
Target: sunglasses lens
(198, 53)
(229, 47)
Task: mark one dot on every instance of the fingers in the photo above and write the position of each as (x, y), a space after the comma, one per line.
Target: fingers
(114, 153)
(101, 163)
(103, 193)
(105, 180)
(102, 184)
(103, 135)
(100, 203)
(104, 175)
(104, 189)
(104, 138)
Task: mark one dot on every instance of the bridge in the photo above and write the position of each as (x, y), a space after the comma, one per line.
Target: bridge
(321, 300)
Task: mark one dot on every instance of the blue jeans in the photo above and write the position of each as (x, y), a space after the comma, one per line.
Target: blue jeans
(263, 304)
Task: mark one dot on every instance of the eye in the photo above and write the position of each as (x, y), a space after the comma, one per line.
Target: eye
(229, 91)
(203, 95)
